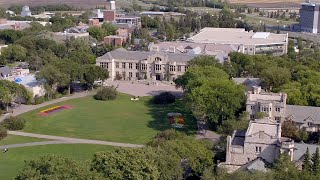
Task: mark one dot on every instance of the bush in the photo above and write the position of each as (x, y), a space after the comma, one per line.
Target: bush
(3, 132)
(56, 95)
(164, 98)
(39, 99)
(14, 123)
(106, 93)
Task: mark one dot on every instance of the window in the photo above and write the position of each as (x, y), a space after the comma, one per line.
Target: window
(251, 116)
(137, 75)
(157, 67)
(117, 65)
(309, 123)
(144, 66)
(130, 65)
(137, 65)
(157, 59)
(104, 65)
(124, 75)
(117, 73)
(186, 68)
(123, 65)
(252, 107)
(258, 149)
(278, 119)
(172, 68)
(179, 68)
(278, 109)
(130, 74)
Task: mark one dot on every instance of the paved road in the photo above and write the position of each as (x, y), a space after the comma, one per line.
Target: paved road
(66, 140)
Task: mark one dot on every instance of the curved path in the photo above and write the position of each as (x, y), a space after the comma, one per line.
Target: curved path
(63, 140)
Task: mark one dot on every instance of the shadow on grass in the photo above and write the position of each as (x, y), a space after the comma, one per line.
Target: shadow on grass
(160, 121)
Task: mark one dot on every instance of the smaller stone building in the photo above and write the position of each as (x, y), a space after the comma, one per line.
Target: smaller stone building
(262, 140)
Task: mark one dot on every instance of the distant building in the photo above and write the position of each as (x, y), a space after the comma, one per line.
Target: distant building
(135, 65)
(18, 25)
(25, 11)
(274, 105)
(121, 37)
(251, 43)
(248, 83)
(310, 17)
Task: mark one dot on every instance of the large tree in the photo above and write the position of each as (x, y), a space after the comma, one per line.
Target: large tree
(56, 167)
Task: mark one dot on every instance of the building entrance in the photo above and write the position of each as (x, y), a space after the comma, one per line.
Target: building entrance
(158, 77)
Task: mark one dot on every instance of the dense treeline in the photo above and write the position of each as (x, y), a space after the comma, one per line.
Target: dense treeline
(296, 74)
(190, 3)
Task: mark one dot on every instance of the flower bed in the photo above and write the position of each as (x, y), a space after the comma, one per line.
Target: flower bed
(54, 110)
(176, 120)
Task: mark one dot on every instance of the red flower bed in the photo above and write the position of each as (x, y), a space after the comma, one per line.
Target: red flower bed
(54, 110)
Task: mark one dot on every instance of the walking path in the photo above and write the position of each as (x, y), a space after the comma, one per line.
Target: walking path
(63, 140)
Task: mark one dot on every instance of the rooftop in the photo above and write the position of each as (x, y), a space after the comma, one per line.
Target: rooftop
(304, 113)
(265, 126)
(237, 36)
(122, 54)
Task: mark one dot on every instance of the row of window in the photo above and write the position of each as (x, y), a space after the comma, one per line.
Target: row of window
(266, 109)
(258, 149)
(158, 67)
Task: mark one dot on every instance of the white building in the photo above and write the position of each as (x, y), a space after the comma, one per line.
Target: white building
(25, 11)
(250, 42)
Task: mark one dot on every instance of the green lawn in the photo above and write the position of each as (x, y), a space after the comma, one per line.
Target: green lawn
(12, 139)
(121, 120)
(12, 161)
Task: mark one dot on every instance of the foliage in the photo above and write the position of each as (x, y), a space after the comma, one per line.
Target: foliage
(56, 167)
(39, 100)
(284, 168)
(307, 162)
(3, 132)
(10, 91)
(106, 93)
(164, 98)
(229, 125)
(100, 32)
(316, 162)
(288, 129)
(125, 164)
(261, 115)
(13, 123)
(204, 60)
(14, 53)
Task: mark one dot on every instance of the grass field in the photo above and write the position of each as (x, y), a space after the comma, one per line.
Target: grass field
(121, 120)
(12, 161)
(11, 139)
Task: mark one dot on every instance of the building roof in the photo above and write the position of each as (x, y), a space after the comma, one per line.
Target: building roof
(237, 36)
(258, 164)
(266, 126)
(4, 71)
(122, 54)
(301, 148)
(303, 113)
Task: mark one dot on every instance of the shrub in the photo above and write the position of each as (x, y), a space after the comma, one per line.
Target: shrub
(14, 123)
(3, 132)
(164, 98)
(56, 95)
(39, 100)
(261, 115)
(106, 93)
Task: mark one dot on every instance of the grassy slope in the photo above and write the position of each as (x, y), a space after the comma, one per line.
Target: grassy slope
(121, 120)
(11, 139)
(12, 161)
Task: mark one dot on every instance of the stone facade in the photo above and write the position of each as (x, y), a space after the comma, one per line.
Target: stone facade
(274, 104)
(261, 140)
(136, 65)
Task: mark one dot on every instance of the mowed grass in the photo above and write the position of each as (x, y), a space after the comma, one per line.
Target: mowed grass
(121, 120)
(12, 162)
(12, 139)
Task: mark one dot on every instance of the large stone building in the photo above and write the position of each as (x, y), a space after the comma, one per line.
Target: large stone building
(251, 43)
(260, 143)
(274, 104)
(310, 17)
(135, 65)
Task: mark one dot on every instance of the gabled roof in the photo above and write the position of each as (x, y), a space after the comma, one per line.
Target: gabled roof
(258, 164)
(302, 114)
(301, 148)
(4, 71)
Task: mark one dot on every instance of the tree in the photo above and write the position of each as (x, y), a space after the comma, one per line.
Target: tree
(106, 93)
(274, 77)
(204, 60)
(97, 32)
(14, 53)
(56, 167)
(94, 73)
(307, 166)
(284, 168)
(126, 164)
(316, 162)
(288, 129)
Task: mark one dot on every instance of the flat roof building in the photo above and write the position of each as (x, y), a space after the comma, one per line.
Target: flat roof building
(310, 17)
(250, 42)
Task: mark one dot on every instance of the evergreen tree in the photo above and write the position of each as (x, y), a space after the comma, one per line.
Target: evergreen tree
(316, 162)
(307, 162)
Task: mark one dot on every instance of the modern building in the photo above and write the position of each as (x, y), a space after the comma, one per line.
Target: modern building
(310, 17)
(261, 143)
(251, 43)
(274, 105)
(135, 65)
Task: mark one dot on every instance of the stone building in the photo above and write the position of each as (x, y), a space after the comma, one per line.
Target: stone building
(135, 65)
(260, 143)
(274, 104)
